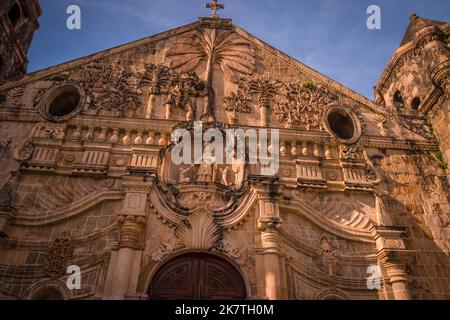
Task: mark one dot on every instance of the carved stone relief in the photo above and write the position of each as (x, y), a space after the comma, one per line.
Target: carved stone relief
(208, 184)
(58, 255)
(328, 258)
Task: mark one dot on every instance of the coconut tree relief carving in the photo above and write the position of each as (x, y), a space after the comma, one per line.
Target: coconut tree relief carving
(265, 89)
(157, 77)
(210, 47)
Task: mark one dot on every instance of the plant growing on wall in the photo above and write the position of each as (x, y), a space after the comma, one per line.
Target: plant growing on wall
(440, 160)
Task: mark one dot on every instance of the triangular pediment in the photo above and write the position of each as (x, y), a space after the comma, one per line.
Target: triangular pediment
(124, 77)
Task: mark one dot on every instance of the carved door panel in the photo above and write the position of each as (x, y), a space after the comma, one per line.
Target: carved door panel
(197, 276)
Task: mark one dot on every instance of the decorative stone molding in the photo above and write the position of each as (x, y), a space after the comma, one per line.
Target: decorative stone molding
(302, 105)
(36, 147)
(130, 230)
(199, 231)
(166, 248)
(13, 98)
(347, 115)
(45, 100)
(58, 256)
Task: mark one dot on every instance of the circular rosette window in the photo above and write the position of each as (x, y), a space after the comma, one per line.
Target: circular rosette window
(342, 123)
(62, 102)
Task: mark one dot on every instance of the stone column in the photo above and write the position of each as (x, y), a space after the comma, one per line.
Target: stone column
(124, 266)
(394, 258)
(269, 221)
(395, 264)
(130, 232)
(272, 272)
(392, 253)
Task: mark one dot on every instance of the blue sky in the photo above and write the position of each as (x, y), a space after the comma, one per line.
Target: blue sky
(328, 35)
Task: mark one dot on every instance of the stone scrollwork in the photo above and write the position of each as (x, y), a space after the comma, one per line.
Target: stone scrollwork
(58, 256)
(12, 98)
(24, 151)
(49, 131)
(353, 152)
(302, 105)
(166, 248)
(292, 103)
(113, 87)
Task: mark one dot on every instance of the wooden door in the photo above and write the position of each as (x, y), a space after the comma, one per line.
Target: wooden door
(197, 276)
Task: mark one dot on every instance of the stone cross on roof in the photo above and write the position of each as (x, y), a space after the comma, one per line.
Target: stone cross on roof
(214, 6)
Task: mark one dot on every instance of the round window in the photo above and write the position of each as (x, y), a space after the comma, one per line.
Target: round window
(342, 123)
(62, 103)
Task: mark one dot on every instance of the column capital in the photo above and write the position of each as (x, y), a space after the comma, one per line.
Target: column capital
(130, 230)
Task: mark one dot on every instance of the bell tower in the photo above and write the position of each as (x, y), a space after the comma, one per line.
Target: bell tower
(415, 85)
(18, 21)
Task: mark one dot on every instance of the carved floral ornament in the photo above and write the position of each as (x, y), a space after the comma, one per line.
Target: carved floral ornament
(293, 104)
(113, 88)
(58, 256)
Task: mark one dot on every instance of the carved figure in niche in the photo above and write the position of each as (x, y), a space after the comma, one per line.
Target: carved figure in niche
(328, 259)
(238, 170)
(225, 172)
(185, 175)
(207, 171)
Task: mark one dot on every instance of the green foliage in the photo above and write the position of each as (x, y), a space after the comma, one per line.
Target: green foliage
(440, 160)
(310, 85)
(429, 124)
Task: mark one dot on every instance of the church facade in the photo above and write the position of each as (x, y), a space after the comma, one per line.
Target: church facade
(358, 209)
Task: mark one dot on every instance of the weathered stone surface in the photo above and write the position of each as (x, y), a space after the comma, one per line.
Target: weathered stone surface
(94, 185)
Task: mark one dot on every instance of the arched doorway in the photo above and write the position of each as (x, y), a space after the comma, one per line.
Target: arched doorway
(197, 276)
(47, 294)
